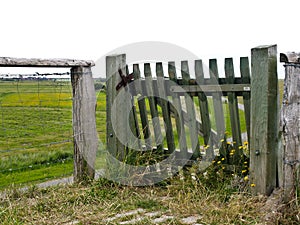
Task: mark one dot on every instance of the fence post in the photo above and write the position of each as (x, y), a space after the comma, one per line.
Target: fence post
(264, 119)
(290, 126)
(84, 123)
(116, 146)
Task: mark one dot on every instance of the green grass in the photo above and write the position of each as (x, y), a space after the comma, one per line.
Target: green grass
(36, 130)
(37, 173)
(180, 197)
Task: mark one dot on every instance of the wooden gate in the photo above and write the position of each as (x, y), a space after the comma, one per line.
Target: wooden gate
(174, 111)
(169, 113)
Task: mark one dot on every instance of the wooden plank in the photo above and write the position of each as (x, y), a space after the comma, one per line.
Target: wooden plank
(233, 111)
(245, 74)
(204, 111)
(115, 147)
(290, 128)
(217, 99)
(178, 113)
(190, 111)
(264, 119)
(165, 107)
(36, 62)
(211, 88)
(133, 120)
(84, 123)
(153, 107)
(142, 107)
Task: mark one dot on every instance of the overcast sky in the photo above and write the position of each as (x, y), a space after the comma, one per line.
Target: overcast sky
(90, 29)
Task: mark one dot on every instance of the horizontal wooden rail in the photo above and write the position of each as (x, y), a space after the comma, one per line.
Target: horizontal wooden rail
(36, 62)
(211, 88)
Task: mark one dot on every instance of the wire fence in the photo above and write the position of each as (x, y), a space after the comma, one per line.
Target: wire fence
(36, 136)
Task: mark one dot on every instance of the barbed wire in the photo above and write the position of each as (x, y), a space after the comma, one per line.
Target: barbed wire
(15, 75)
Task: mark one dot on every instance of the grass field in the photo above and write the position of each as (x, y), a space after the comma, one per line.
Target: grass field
(36, 130)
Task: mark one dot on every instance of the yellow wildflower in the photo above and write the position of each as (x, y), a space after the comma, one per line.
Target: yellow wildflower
(252, 185)
(206, 147)
(223, 159)
(246, 178)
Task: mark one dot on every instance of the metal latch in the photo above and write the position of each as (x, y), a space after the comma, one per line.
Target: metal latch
(125, 79)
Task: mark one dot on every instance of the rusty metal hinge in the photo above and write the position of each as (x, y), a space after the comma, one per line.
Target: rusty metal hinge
(125, 79)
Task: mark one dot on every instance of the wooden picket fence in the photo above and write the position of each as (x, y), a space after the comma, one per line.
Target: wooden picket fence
(175, 98)
(170, 113)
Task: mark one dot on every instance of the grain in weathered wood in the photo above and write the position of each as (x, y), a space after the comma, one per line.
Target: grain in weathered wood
(264, 119)
(84, 123)
(142, 106)
(245, 74)
(190, 111)
(204, 112)
(217, 99)
(115, 146)
(36, 62)
(153, 107)
(290, 128)
(233, 111)
(165, 107)
(178, 114)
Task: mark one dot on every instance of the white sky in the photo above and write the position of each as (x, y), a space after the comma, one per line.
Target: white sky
(90, 29)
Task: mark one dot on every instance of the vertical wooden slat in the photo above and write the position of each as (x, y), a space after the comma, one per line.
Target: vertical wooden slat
(165, 107)
(233, 109)
(204, 112)
(142, 107)
(264, 119)
(84, 123)
(114, 146)
(245, 74)
(217, 99)
(191, 114)
(178, 114)
(133, 120)
(153, 107)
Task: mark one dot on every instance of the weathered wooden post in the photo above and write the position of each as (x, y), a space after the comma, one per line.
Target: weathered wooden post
(264, 119)
(290, 125)
(84, 123)
(117, 118)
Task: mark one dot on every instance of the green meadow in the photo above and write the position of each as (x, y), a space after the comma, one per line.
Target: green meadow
(36, 130)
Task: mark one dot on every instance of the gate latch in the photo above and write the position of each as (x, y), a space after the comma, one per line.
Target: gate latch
(125, 80)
